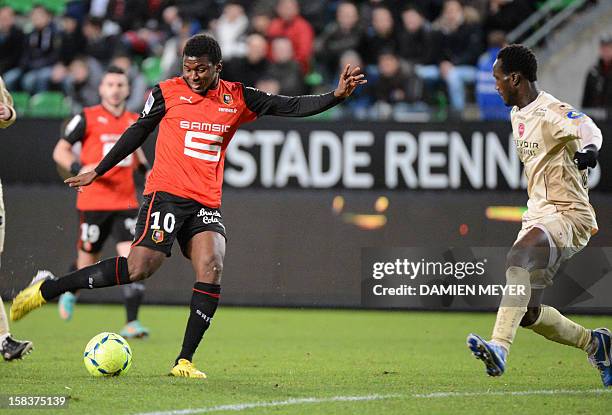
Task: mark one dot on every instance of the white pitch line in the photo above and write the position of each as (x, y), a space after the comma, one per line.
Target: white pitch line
(298, 401)
(512, 393)
(295, 401)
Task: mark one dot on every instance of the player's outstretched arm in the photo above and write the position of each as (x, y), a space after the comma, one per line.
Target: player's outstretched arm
(262, 103)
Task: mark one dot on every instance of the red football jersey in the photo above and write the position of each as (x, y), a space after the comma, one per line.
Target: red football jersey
(193, 137)
(98, 130)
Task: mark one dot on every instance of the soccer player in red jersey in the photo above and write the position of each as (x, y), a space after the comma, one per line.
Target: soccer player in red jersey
(109, 206)
(197, 115)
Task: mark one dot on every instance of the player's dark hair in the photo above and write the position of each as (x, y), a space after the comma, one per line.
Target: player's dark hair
(114, 69)
(519, 58)
(203, 45)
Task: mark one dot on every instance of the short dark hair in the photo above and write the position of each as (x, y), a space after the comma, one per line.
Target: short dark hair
(114, 69)
(200, 45)
(519, 58)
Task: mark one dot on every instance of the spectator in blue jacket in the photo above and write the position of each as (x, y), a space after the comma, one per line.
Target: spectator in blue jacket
(491, 105)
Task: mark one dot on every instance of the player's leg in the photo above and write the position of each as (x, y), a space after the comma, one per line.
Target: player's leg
(94, 230)
(132, 294)
(66, 301)
(207, 251)
(146, 256)
(529, 253)
(9, 348)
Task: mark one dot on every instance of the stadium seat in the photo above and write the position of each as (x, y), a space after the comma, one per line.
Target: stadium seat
(151, 69)
(23, 7)
(20, 6)
(21, 102)
(49, 105)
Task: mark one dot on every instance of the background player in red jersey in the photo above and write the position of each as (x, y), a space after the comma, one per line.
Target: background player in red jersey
(108, 206)
(197, 115)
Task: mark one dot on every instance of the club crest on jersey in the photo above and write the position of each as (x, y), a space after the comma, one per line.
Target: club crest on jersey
(521, 130)
(227, 99)
(102, 120)
(158, 236)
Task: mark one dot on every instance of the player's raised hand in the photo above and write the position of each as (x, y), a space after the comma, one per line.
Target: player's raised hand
(349, 80)
(83, 179)
(5, 113)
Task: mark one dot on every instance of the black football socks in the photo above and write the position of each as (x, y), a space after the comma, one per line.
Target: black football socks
(204, 303)
(133, 295)
(106, 273)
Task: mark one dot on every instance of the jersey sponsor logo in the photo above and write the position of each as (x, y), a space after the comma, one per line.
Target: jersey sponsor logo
(102, 120)
(227, 99)
(572, 115)
(204, 126)
(157, 236)
(521, 129)
(148, 105)
(182, 98)
(230, 110)
(540, 112)
(209, 216)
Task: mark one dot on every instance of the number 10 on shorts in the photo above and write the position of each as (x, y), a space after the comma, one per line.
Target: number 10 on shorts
(169, 221)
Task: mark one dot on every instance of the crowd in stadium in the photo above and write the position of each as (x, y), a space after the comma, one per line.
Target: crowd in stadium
(420, 55)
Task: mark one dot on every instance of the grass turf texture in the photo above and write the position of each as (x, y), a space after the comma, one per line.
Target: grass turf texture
(263, 355)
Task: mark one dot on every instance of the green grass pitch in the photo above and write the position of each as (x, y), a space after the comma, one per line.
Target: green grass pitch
(303, 362)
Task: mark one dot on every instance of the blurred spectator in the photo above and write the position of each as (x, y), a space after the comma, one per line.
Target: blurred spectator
(359, 103)
(99, 45)
(397, 89)
(250, 68)
(294, 27)
(11, 40)
(491, 105)
(143, 41)
(414, 38)
(81, 86)
(598, 87)
(41, 52)
(229, 30)
(339, 36)
(260, 23)
(380, 36)
(138, 83)
(430, 9)
(456, 46)
(204, 11)
(315, 12)
(285, 69)
(268, 84)
(72, 39)
(128, 14)
(172, 55)
(505, 15)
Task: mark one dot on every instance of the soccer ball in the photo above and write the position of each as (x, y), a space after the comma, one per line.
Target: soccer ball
(107, 354)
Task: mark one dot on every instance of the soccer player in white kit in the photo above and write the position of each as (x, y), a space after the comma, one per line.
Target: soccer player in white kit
(556, 144)
(10, 348)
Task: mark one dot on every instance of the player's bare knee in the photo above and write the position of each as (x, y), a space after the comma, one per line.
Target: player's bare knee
(139, 269)
(211, 270)
(517, 257)
(531, 316)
